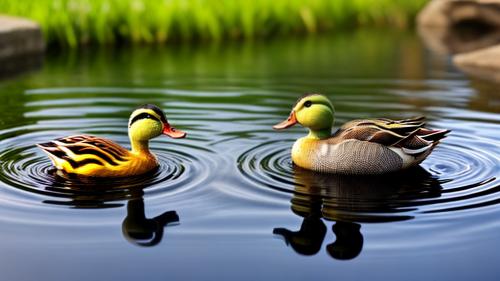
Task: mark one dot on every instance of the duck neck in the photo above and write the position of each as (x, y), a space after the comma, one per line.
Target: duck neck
(319, 134)
(140, 146)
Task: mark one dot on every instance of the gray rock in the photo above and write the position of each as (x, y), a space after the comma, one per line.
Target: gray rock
(467, 28)
(448, 13)
(457, 26)
(483, 63)
(19, 37)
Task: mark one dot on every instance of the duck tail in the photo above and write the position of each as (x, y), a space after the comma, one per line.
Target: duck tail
(55, 154)
(421, 141)
(50, 147)
(433, 135)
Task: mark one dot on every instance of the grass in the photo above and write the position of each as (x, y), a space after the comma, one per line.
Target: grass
(75, 22)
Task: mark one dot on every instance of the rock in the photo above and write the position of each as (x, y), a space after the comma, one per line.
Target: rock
(434, 14)
(452, 41)
(19, 37)
(483, 63)
(447, 13)
(467, 28)
(456, 26)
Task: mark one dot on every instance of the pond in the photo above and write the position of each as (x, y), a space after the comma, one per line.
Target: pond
(227, 202)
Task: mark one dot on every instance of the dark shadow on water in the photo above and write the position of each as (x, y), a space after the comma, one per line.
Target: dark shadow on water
(12, 67)
(349, 241)
(350, 201)
(141, 231)
(88, 193)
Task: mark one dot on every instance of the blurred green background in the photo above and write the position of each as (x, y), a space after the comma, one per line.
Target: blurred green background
(75, 22)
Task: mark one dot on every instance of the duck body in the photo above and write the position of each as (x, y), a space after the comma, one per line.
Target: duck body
(359, 147)
(92, 156)
(368, 147)
(97, 157)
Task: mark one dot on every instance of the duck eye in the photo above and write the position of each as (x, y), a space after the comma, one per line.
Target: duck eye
(149, 116)
(308, 103)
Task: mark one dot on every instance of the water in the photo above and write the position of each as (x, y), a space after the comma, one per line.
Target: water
(226, 202)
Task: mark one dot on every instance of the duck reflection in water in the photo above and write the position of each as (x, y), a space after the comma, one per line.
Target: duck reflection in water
(139, 230)
(350, 201)
(92, 194)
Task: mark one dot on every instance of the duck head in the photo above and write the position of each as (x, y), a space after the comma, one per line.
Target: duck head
(148, 121)
(313, 111)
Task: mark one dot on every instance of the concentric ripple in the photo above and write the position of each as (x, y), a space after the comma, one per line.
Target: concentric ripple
(454, 177)
(29, 184)
(230, 188)
(29, 170)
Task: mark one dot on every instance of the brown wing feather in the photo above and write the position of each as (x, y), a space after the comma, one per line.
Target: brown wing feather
(372, 134)
(92, 142)
(409, 134)
(102, 150)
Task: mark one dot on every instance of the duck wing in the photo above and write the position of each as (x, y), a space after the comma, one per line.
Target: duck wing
(408, 134)
(80, 150)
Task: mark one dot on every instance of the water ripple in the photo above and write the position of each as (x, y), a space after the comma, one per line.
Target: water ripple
(30, 187)
(454, 177)
(461, 174)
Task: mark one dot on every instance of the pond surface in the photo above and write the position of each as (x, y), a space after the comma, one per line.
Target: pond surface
(226, 202)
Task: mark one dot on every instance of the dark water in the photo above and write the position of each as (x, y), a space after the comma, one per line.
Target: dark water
(226, 202)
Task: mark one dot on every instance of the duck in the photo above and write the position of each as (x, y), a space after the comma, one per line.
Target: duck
(359, 147)
(91, 156)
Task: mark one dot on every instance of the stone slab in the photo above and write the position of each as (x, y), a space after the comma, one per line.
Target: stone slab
(483, 63)
(19, 37)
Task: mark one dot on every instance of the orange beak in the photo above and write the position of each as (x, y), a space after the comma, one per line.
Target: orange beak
(292, 120)
(172, 132)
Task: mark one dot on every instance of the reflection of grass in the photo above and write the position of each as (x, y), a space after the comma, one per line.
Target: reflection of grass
(70, 22)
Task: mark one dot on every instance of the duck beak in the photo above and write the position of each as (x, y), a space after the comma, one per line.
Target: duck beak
(292, 120)
(172, 132)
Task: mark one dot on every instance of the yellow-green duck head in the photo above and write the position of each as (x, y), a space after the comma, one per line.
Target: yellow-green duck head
(148, 121)
(313, 111)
